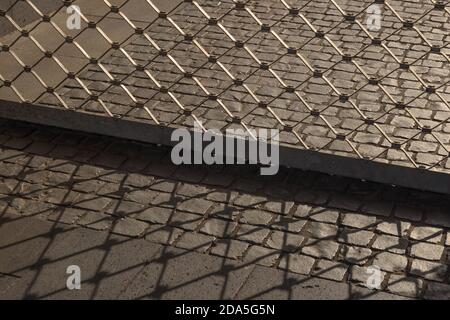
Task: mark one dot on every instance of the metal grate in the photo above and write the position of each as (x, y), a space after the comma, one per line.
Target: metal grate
(311, 69)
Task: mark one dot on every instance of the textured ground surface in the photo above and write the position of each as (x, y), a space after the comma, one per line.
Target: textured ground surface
(348, 90)
(118, 207)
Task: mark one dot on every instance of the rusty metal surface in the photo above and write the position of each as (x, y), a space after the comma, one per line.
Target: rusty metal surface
(312, 69)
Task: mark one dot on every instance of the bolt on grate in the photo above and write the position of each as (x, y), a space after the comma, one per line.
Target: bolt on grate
(315, 70)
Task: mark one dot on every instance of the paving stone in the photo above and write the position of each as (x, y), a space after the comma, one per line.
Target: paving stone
(316, 197)
(158, 215)
(256, 217)
(69, 138)
(218, 227)
(61, 151)
(390, 243)
(39, 147)
(320, 230)
(185, 220)
(86, 171)
(399, 228)
(58, 179)
(379, 208)
(429, 270)
(194, 241)
(283, 223)
(359, 221)
(362, 275)
(93, 203)
(3, 206)
(324, 215)
(224, 211)
(169, 186)
(11, 156)
(34, 191)
(302, 210)
(195, 205)
(87, 186)
(438, 218)
(390, 262)
(18, 143)
(320, 248)
(38, 162)
(129, 227)
(163, 169)
(109, 160)
(408, 213)
(128, 208)
(167, 200)
(112, 176)
(261, 255)
(284, 241)
(252, 234)
(248, 200)
(357, 255)
(427, 251)
(221, 196)
(247, 185)
(216, 179)
(113, 190)
(280, 207)
(37, 177)
(405, 286)
(437, 291)
(66, 215)
(96, 220)
(8, 185)
(296, 263)
(135, 164)
(229, 248)
(185, 173)
(345, 202)
(192, 190)
(162, 234)
(17, 204)
(28, 207)
(138, 180)
(60, 196)
(271, 284)
(141, 196)
(330, 270)
(356, 237)
(428, 234)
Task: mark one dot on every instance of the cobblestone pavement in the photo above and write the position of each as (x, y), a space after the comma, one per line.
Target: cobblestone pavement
(310, 224)
(340, 89)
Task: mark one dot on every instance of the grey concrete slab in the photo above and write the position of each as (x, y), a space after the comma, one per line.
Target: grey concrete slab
(180, 274)
(38, 254)
(11, 287)
(20, 241)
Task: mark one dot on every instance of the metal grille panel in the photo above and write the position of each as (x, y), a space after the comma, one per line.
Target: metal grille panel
(311, 69)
